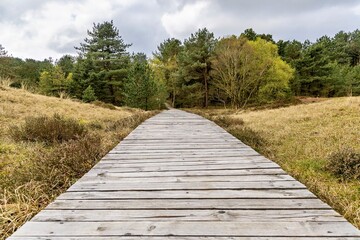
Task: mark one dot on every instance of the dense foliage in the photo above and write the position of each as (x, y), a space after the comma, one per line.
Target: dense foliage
(247, 71)
(141, 89)
(237, 70)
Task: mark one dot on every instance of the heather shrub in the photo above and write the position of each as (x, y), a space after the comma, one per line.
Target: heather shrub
(55, 129)
(344, 163)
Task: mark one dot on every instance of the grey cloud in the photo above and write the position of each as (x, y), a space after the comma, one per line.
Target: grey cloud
(141, 27)
(302, 19)
(140, 22)
(283, 7)
(58, 44)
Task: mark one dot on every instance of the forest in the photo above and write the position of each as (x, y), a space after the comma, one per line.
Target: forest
(242, 70)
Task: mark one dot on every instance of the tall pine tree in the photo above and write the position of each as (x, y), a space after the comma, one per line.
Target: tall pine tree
(140, 89)
(165, 60)
(102, 64)
(195, 65)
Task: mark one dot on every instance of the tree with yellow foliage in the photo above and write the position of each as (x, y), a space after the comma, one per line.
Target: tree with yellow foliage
(249, 71)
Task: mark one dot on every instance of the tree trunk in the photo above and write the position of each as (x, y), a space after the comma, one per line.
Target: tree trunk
(146, 104)
(206, 89)
(173, 99)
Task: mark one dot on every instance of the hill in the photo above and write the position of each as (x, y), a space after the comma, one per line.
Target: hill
(47, 143)
(317, 143)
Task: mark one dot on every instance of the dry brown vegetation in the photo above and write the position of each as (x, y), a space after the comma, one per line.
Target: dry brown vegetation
(306, 140)
(46, 144)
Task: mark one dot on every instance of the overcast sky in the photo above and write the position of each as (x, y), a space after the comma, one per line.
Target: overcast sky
(51, 28)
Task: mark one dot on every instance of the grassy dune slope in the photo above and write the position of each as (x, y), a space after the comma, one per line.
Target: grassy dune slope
(300, 138)
(33, 173)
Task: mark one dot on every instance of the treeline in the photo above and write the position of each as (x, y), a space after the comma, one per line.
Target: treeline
(249, 69)
(254, 69)
(104, 70)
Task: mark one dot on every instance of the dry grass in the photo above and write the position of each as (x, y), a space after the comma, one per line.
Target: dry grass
(33, 171)
(301, 138)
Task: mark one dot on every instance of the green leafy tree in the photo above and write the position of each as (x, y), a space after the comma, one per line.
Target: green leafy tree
(141, 90)
(340, 49)
(66, 63)
(346, 80)
(352, 82)
(194, 67)
(23, 72)
(54, 82)
(103, 62)
(250, 71)
(251, 35)
(30, 69)
(353, 48)
(165, 67)
(290, 51)
(314, 71)
(89, 94)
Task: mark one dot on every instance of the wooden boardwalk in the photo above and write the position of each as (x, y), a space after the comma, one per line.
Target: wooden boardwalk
(179, 176)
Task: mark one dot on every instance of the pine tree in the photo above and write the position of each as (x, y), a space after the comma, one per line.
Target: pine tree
(165, 61)
(141, 89)
(194, 67)
(2, 51)
(89, 94)
(66, 63)
(53, 81)
(103, 62)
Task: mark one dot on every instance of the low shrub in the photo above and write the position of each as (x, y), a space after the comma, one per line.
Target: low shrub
(250, 137)
(49, 130)
(344, 163)
(67, 161)
(29, 188)
(58, 167)
(128, 122)
(104, 105)
(226, 121)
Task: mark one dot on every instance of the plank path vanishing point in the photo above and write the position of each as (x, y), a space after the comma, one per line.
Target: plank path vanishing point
(180, 176)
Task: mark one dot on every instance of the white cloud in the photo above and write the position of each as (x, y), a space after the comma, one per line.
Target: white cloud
(56, 27)
(43, 28)
(186, 20)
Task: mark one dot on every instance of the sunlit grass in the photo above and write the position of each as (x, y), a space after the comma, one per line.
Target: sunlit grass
(35, 169)
(300, 138)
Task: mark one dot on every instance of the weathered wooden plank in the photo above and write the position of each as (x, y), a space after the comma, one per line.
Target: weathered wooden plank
(220, 204)
(170, 142)
(184, 155)
(173, 228)
(177, 238)
(245, 178)
(177, 146)
(189, 194)
(188, 215)
(176, 158)
(247, 164)
(179, 157)
(188, 168)
(191, 151)
(144, 186)
(223, 172)
(179, 162)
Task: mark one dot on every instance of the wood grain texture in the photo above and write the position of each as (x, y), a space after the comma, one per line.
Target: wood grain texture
(179, 176)
(97, 237)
